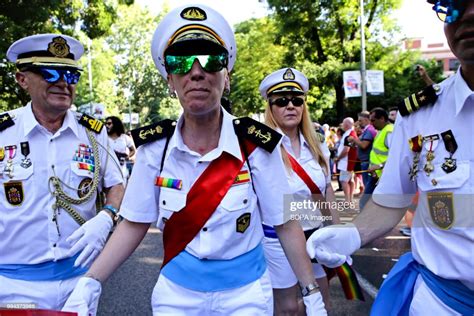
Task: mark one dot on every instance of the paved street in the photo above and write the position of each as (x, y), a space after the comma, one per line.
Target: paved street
(129, 290)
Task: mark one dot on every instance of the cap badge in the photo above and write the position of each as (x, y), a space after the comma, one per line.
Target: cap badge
(58, 47)
(194, 14)
(288, 75)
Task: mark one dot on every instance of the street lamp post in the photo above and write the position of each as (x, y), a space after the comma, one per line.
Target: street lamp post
(362, 58)
(89, 66)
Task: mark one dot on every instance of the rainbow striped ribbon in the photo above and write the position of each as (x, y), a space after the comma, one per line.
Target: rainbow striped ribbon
(348, 280)
(169, 183)
(85, 166)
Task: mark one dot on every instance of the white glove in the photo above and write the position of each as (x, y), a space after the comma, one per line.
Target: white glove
(314, 305)
(84, 300)
(332, 245)
(91, 237)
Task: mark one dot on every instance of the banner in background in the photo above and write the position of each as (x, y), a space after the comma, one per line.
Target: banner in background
(353, 83)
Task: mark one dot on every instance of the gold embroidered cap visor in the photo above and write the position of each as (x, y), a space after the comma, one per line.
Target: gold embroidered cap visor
(192, 30)
(284, 81)
(286, 87)
(195, 40)
(46, 50)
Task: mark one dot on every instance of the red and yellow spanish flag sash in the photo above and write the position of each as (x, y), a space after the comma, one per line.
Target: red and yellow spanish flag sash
(202, 200)
(346, 274)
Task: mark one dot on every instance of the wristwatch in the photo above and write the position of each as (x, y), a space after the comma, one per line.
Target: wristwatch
(112, 211)
(309, 289)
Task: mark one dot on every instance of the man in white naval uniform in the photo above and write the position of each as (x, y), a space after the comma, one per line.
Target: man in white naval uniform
(52, 165)
(432, 152)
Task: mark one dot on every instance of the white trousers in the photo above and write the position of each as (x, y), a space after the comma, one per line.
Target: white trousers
(40, 294)
(281, 273)
(255, 298)
(426, 302)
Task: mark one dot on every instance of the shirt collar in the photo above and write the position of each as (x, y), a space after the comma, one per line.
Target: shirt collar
(462, 92)
(287, 142)
(228, 140)
(30, 122)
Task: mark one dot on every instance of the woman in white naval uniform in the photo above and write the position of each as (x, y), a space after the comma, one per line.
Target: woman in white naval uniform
(219, 268)
(285, 90)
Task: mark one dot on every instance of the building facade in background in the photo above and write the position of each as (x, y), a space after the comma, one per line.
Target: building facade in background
(434, 50)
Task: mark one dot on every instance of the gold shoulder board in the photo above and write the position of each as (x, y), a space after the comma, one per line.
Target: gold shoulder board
(91, 123)
(156, 131)
(5, 121)
(259, 133)
(414, 102)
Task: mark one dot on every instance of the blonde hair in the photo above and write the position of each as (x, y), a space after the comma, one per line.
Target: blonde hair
(307, 129)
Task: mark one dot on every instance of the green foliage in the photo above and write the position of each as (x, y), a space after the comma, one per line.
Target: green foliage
(324, 40)
(137, 80)
(257, 56)
(103, 76)
(23, 18)
(321, 38)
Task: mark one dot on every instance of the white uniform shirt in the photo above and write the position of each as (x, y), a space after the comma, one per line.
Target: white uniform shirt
(298, 188)
(144, 202)
(27, 233)
(342, 164)
(121, 144)
(448, 253)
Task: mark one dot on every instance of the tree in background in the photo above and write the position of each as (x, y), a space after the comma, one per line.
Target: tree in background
(321, 38)
(103, 76)
(22, 18)
(137, 80)
(258, 55)
(324, 40)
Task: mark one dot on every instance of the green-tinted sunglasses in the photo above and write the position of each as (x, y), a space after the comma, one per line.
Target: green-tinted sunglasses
(181, 65)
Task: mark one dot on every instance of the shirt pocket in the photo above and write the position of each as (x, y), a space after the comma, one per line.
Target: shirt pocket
(438, 179)
(237, 198)
(19, 173)
(317, 175)
(81, 173)
(172, 200)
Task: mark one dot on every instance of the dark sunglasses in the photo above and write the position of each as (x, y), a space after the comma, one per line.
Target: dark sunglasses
(449, 11)
(180, 65)
(108, 123)
(284, 101)
(53, 75)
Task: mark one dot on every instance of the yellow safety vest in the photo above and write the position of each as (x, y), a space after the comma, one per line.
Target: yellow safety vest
(379, 152)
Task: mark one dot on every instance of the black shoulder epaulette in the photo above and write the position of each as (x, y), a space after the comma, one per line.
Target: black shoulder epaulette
(149, 133)
(259, 133)
(413, 103)
(5, 121)
(91, 123)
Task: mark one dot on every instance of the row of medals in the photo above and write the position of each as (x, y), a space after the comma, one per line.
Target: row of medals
(430, 143)
(11, 150)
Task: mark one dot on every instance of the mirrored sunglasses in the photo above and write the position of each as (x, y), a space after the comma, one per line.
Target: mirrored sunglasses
(53, 75)
(284, 101)
(181, 65)
(449, 11)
